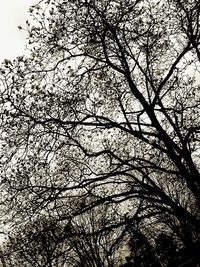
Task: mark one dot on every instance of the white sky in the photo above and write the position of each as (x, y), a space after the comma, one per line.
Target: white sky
(12, 14)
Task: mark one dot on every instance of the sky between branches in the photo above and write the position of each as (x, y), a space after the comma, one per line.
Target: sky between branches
(12, 14)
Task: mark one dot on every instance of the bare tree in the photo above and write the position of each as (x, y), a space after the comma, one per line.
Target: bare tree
(49, 242)
(36, 244)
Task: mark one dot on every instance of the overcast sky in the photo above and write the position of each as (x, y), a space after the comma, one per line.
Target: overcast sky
(12, 14)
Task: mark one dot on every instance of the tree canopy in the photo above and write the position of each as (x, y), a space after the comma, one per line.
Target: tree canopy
(104, 112)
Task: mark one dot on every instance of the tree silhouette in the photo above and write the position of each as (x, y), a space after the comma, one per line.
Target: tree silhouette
(49, 242)
(104, 111)
(143, 253)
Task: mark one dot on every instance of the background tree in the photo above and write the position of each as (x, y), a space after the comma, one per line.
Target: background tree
(36, 244)
(104, 111)
(142, 252)
(49, 242)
